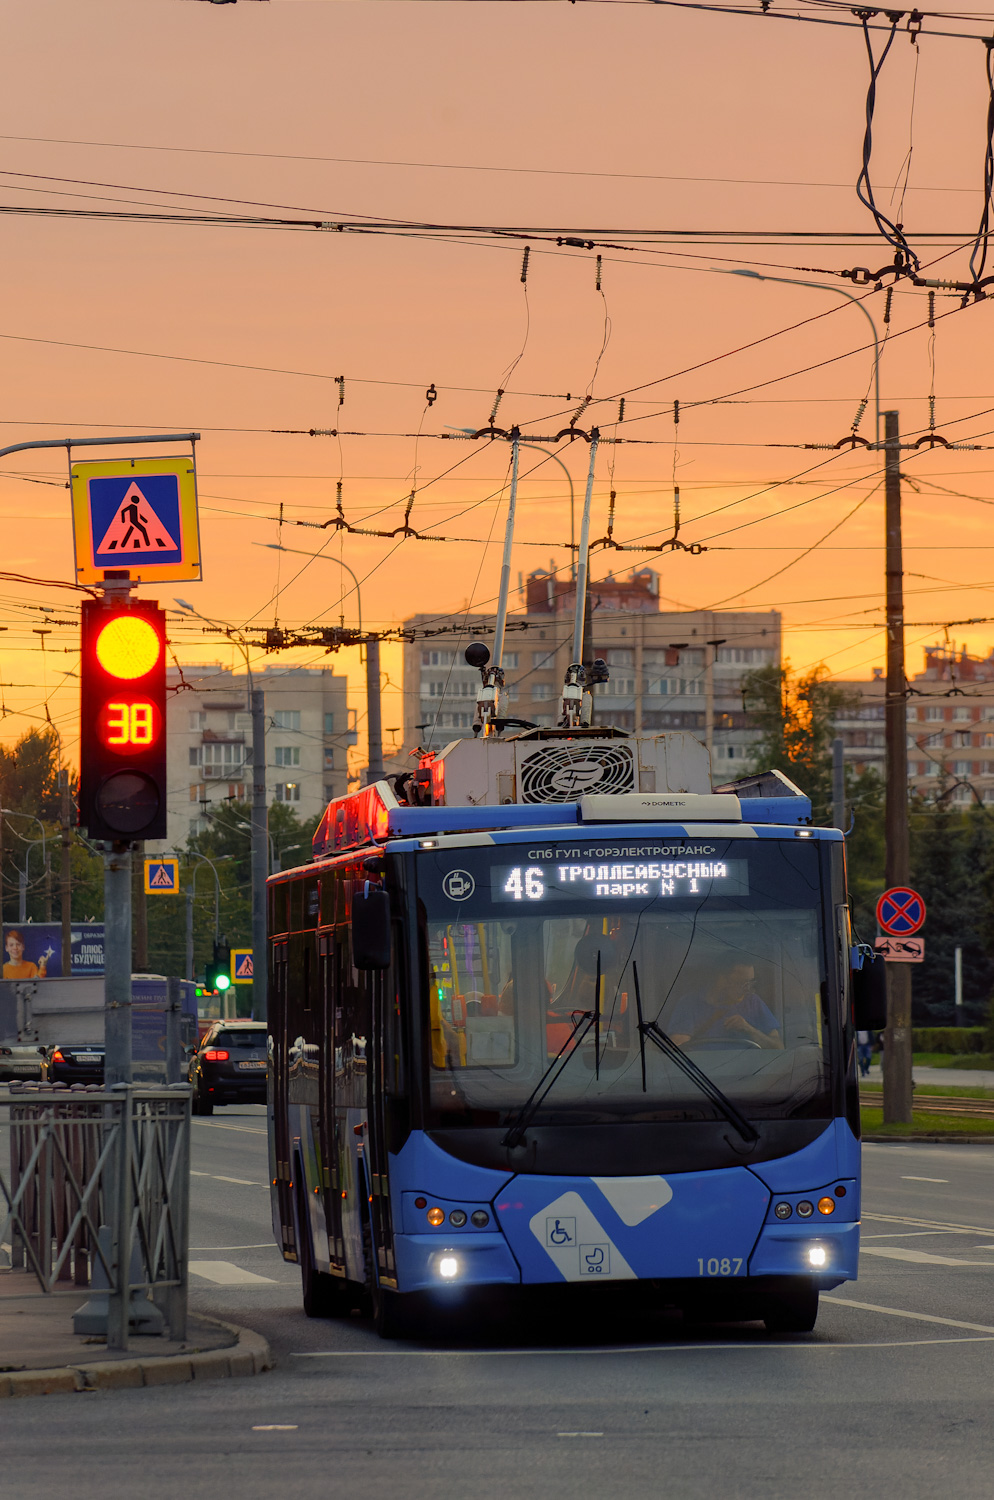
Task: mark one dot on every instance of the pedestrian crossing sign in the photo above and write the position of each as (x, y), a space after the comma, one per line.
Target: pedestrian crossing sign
(138, 514)
(241, 966)
(161, 877)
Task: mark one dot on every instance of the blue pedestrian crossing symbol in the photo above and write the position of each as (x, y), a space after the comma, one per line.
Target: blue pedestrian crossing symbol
(161, 877)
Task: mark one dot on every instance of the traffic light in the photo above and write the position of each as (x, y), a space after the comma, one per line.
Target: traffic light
(217, 973)
(122, 761)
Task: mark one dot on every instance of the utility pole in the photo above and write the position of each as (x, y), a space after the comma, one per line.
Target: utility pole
(958, 976)
(260, 855)
(897, 1048)
(140, 907)
(374, 721)
(189, 933)
(117, 964)
(838, 784)
(65, 882)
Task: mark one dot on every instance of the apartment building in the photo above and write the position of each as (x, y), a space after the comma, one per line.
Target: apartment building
(669, 670)
(309, 728)
(950, 721)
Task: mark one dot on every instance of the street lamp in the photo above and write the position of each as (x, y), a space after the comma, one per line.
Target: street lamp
(822, 286)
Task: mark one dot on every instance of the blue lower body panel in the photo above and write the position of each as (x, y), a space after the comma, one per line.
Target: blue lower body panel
(730, 1224)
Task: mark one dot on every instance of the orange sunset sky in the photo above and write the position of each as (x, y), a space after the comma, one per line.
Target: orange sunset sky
(602, 119)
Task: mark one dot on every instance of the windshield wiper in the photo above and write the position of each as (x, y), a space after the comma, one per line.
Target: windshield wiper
(676, 1054)
(570, 1047)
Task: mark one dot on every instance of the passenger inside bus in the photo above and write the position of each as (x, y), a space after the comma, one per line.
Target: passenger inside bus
(727, 1008)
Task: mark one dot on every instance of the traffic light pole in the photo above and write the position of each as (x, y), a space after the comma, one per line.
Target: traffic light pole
(117, 964)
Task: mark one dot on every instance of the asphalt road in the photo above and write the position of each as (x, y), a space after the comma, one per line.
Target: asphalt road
(891, 1391)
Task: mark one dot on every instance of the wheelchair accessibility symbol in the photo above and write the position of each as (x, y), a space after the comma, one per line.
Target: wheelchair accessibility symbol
(595, 1260)
(560, 1232)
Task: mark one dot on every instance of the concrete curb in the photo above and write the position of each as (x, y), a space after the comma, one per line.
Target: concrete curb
(250, 1355)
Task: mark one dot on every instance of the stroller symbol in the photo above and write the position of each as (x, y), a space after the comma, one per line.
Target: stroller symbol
(595, 1260)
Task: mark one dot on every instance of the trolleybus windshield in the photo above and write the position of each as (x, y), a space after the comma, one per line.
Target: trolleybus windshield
(726, 939)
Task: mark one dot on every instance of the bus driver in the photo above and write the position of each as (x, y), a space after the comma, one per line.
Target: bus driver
(726, 1007)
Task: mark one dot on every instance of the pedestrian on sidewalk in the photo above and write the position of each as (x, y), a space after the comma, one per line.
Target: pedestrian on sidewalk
(864, 1050)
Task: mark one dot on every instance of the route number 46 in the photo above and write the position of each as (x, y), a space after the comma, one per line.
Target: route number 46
(531, 886)
(723, 1267)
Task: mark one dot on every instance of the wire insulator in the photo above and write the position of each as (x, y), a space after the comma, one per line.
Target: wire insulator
(579, 411)
(610, 513)
(338, 499)
(676, 413)
(524, 263)
(931, 413)
(931, 309)
(888, 300)
(860, 410)
(341, 390)
(598, 282)
(676, 510)
(621, 409)
(431, 395)
(493, 410)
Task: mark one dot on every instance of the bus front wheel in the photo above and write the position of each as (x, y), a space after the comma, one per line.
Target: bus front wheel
(322, 1294)
(792, 1307)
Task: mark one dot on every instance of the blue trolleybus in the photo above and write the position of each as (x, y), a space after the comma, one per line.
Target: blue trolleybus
(528, 1032)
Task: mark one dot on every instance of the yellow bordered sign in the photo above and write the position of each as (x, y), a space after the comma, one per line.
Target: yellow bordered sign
(241, 966)
(138, 514)
(161, 877)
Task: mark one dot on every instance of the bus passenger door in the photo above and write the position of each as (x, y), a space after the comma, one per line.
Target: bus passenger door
(281, 1158)
(329, 1136)
(383, 1066)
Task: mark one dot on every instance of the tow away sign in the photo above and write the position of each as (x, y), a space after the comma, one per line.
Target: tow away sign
(894, 950)
(138, 514)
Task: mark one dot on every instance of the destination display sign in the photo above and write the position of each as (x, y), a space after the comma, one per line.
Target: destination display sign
(619, 880)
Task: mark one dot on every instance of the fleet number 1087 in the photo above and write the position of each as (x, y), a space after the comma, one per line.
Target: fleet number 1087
(727, 1266)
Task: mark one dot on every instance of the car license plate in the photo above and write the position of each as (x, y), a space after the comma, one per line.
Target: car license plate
(252, 1064)
(88, 1057)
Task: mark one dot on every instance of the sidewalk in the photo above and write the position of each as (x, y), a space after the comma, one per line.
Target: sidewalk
(40, 1354)
(952, 1078)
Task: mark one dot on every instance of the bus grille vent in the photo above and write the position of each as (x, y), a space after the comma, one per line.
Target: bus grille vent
(562, 773)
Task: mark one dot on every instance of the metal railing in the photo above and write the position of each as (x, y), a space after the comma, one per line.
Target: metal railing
(97, 1195)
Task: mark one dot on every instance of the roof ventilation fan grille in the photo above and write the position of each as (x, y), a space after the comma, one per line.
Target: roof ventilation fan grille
(562, 773)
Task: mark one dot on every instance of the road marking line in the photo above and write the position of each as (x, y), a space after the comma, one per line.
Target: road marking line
(908, 1177)
(216, 1125)
(276, 1427)
(202, 1249)
(240, 1181)
(579, 1434)
(907, 1234)
(899, 1312)
(225, 1273)
(921, 1257)
(930, 1223)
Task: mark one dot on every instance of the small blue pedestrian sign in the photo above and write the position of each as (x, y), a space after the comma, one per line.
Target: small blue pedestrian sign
(241, 966)
(900, 911)
(161, 877)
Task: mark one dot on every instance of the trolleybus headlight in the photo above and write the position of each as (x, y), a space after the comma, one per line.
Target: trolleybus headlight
(448, 1267)
(783, 1210)
(817, 1255)
(804, 1208)
(481, 1218)
(826, 1205)
(436, 1216)
(457, 1218)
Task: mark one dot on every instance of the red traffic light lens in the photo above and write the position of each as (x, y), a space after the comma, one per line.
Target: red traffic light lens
(128, 647)
(126, 725)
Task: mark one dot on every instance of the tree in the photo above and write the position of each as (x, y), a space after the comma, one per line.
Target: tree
(796, 718)
(951, 855)
(29, 789)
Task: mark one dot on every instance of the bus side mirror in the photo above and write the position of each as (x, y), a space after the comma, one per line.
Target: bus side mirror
(371, 927)
(869, 995)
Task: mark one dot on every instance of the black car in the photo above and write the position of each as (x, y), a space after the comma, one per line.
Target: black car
(76, 1064)
(230, 1066)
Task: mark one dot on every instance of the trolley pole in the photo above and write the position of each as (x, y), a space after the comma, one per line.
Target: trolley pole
(374, 719)
(897, 1048)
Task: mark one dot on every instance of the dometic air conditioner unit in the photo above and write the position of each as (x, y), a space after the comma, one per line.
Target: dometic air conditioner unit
(549, 767)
